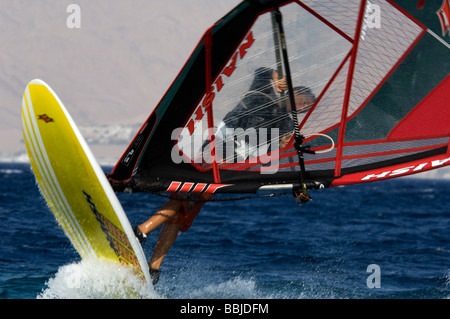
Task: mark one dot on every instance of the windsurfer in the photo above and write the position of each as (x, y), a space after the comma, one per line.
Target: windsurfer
(177, 215)
(260, 104)
(262, 107)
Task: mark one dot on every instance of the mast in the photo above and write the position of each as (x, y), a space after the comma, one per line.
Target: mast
(300, 192)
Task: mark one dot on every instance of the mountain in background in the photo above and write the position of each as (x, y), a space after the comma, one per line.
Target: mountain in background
(110, 72)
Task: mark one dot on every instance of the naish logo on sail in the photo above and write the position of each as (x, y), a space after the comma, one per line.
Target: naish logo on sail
(217, 86)
(406, 170)
(176, 186)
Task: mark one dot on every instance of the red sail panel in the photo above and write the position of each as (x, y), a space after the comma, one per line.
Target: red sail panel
(430, 118)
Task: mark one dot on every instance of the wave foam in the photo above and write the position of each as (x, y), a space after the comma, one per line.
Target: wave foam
(94, 278)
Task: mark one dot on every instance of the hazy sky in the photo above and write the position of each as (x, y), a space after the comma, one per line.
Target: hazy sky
(113, 69)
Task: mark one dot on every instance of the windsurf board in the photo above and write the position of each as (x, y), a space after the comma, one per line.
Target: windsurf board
(74, 184)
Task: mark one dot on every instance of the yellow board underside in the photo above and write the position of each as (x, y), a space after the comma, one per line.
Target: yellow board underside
(81, 208)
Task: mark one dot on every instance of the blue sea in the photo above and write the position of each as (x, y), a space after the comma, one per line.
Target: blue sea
(382, 240)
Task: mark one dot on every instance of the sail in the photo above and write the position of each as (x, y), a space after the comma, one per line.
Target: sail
(368, 99)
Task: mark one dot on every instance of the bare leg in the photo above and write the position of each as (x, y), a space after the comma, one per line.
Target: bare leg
(165, 213)
(166, 239)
